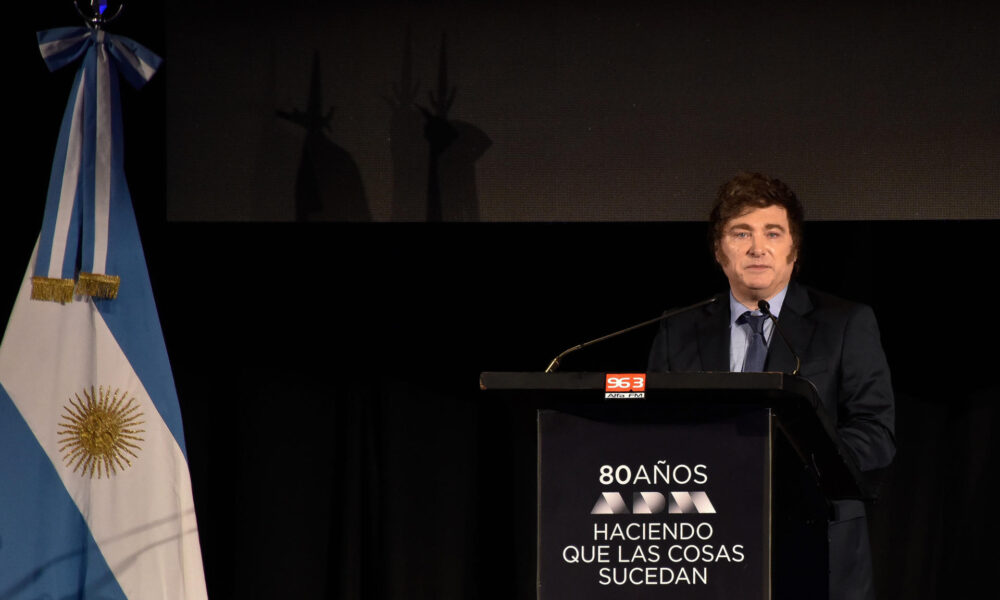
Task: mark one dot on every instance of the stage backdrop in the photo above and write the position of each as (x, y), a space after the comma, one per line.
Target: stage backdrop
(576, 111)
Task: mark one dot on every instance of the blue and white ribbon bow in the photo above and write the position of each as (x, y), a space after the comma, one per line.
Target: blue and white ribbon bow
(87, 183)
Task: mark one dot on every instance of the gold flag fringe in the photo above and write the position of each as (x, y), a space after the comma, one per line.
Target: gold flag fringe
(98, 285)
(51, 289)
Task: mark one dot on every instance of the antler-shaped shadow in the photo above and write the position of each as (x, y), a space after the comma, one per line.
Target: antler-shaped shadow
(438, 131)
(326, 170)
(404, 94)
(407, 144)
(446, 189)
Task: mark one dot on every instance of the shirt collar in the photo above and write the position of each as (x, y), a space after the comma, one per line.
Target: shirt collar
(736, 308)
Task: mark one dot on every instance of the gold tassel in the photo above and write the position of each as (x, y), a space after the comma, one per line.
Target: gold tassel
(53, 290)
(98, 285)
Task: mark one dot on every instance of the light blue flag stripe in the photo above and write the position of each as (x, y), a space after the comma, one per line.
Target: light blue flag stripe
(132, 317)
(53, 204)
(135, 62)
(46, 547)
(61, 46)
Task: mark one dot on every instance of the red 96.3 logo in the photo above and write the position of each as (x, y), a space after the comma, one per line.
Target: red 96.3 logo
(626, 384)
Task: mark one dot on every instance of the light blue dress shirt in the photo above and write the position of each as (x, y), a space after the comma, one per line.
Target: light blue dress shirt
(739, 335)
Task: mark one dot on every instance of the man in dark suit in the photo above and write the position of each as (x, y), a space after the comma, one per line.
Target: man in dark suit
(756, 233)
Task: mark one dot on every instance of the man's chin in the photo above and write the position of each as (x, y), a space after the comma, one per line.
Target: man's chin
(758, 287)
(757, 291)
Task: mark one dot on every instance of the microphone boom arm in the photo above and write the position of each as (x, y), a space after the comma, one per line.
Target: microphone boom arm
(555, 361)
(765, 308)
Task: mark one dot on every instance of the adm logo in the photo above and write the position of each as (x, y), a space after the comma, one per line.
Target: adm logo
(651, 503)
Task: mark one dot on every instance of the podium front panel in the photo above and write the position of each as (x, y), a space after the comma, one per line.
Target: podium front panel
(659, 505)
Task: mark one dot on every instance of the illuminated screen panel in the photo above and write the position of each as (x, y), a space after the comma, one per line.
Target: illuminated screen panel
(582, 111)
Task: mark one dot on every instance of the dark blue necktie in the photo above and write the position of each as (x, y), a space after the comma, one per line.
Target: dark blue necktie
(757, 350)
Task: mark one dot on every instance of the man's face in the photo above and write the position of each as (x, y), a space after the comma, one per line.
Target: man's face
(757, 254)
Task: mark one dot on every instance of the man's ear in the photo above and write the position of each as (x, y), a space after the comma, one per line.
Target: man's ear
(720, 258)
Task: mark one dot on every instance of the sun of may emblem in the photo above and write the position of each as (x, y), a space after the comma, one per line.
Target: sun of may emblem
(100, 434)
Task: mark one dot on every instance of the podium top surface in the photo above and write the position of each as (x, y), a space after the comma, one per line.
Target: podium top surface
(781, 384)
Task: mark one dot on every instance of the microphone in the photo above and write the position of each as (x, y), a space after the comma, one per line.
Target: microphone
(766, 309)
(555, 361)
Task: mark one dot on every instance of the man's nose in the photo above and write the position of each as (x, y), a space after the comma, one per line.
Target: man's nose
(756, 246)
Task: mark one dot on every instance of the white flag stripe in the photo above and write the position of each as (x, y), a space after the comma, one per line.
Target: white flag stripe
(143, 517)
(67, 191)
(55, 47)
(147, 70)
(102, 161)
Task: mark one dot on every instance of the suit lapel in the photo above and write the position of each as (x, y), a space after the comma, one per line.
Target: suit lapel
(713, 336)
(797, 328)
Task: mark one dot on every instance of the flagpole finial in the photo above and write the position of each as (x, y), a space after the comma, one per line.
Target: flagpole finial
(98, 13)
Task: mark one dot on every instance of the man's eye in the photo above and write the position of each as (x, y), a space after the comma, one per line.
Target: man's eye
(740, 234)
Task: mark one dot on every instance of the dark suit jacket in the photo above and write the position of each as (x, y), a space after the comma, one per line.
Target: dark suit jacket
(841, 352)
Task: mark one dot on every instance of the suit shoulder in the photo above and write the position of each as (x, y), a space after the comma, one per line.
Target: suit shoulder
(701, 314)
(839, 312)
(828, 302)
(697, 315)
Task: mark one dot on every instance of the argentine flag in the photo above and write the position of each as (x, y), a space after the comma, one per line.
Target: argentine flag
(95, 493)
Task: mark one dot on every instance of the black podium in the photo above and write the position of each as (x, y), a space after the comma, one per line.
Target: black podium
(680, 485)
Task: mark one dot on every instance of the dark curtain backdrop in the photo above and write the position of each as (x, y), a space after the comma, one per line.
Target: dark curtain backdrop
(339, 446)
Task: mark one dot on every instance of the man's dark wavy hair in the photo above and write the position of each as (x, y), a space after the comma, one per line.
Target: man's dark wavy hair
(747, 191)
